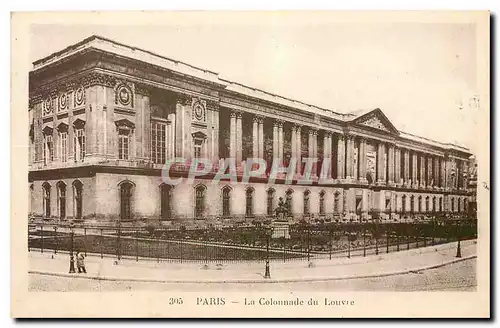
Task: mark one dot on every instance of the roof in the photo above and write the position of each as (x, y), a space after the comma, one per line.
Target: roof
(111, 46)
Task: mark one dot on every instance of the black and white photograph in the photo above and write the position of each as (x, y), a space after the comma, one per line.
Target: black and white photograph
(255, 159)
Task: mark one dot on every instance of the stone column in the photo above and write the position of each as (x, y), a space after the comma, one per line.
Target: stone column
(239, 139)
(435, 173)
(275, 140)
(442, 172)
(340, 157)
(362, 160)
(280, 141)
(298, 148)
(380, 163)
(261, 137)
(406, 174)
(422, 171)
(232, 135)
(397, 166)
(349, 157)
(315, 152)
(255, 137)
(390, 161)
(414, 180)
(327, 151)
(430, 177)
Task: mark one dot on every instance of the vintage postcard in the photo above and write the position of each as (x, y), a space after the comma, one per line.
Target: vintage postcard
(250, 164)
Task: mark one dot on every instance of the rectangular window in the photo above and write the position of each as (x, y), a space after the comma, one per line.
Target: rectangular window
(63, 148)
(158, 143)
(79, 145)
(48, 153)
(123, 143)
(197, 148)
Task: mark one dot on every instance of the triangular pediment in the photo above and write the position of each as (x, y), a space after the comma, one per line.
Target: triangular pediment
(376, 119)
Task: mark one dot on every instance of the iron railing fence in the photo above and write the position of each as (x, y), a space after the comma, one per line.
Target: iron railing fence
(299, 241)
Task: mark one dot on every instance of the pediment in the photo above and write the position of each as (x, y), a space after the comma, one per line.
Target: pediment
(124, 123)
(376, 119)
(199, 135)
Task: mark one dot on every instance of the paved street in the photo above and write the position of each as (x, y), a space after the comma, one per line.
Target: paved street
(459, 276)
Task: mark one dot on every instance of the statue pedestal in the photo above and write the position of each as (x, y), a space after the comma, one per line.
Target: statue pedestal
(281, 229)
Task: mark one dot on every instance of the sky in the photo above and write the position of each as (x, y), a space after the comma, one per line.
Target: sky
(422, 75)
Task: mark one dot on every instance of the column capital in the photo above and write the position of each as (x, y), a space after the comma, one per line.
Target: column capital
(349, 136)
(278, 123)
(328, 133)
(313, 131)
(296, 127)
(235, 113)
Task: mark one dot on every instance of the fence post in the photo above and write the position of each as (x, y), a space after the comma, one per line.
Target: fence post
(387, 239)
(41, 234)
(56, 240)
(331, 242)
(459, 251)
(85, 240)
(71, 258)
(407, 235)
(308, 243)
(398, 230)
(433, 231)
(376, 236)
(102, 241)
(118, 255)
(137, 245)
(364, 239)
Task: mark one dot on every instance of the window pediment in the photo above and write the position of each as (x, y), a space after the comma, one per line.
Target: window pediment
(78, 123)
(124, 124)
(47, 130)
(199, 135)
(62, 127)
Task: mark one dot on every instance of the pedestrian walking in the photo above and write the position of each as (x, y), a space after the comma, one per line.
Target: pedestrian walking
(80, 262)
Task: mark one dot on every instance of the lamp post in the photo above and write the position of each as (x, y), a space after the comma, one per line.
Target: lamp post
(459, 251)
(71, 258)
(268, 231)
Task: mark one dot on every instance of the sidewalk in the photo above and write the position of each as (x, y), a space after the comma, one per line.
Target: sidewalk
(253, 272)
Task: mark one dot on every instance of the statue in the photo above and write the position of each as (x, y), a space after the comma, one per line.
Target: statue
(282, 209)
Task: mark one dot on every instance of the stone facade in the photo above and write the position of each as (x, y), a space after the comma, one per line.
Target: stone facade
(106, 118)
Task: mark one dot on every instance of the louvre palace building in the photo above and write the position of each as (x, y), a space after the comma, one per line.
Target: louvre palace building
(105, 118)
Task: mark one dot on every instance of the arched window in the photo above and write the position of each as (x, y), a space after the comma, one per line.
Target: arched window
(419, 203)
(434, 204)
(403, 203)
(307, 193)
(46, 199)
(440, 204)
(77, 199)
(199, 208)
(249, 202)
(61, 199)
(270, 201)
(322, 202)
(465, 205)
(453, 204)
(412, 203)
(166, 201)
(459, 208)
(288, 196)
(226, 201)
(336, 202)
(427, 204)
(126, 201)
